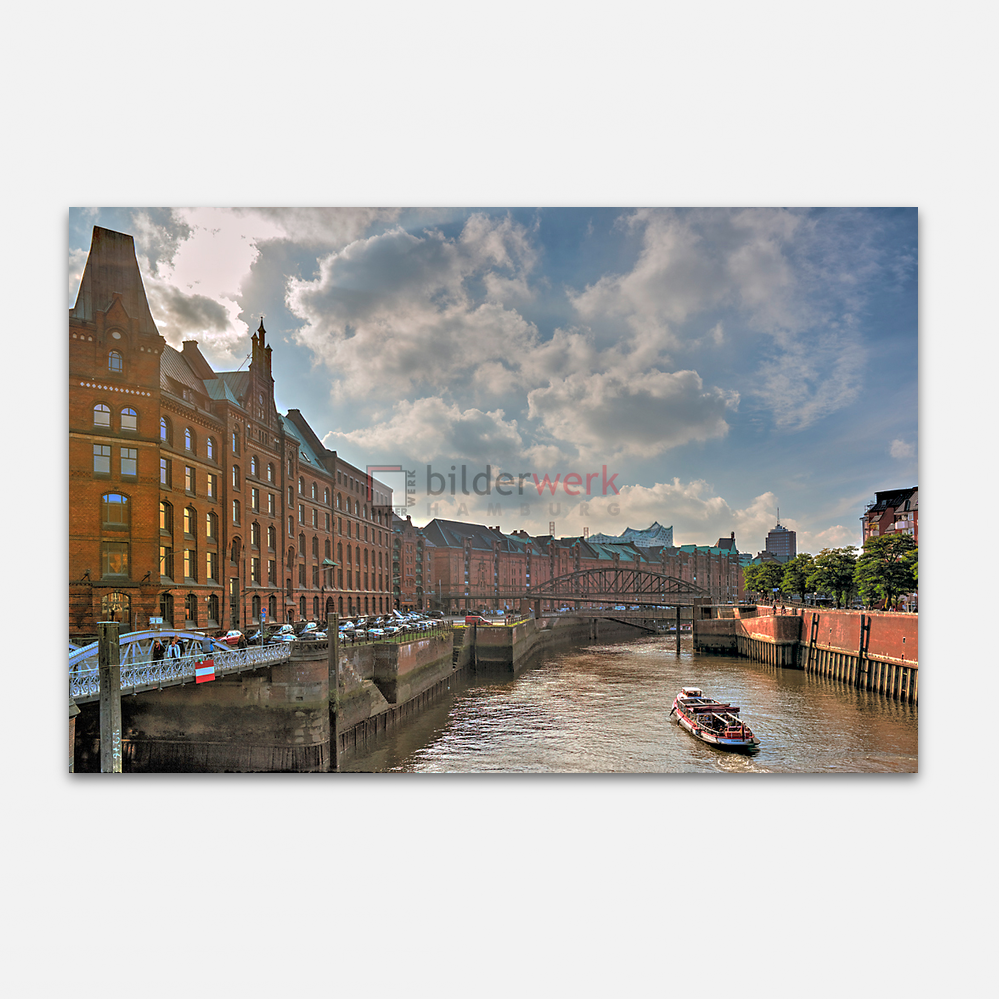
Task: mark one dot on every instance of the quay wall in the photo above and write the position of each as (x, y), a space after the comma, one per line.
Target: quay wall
(508, 650)
(876, 651)
(273, 719)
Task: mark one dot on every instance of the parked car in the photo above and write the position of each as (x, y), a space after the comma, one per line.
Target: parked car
(475, 619)
(286, 633)
(232, 637)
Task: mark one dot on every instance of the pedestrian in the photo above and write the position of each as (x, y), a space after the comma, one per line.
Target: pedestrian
(158, 651)
(174, 651)
(241, 644)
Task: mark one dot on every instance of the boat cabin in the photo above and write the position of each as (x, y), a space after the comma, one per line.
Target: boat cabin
(690, 692)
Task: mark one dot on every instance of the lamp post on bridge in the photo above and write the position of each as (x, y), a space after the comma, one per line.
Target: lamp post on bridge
(328, 565)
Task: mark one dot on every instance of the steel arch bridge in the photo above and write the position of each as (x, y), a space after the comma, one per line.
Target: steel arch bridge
(612, 585)
(617, 584)
(139, 671)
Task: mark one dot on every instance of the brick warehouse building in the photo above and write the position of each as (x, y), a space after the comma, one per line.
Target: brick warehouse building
(475, 567)
(191, 497)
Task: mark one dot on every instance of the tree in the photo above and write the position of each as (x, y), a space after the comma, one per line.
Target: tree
(833, 572)
(795, 576)
(763, 578)
(887, 567)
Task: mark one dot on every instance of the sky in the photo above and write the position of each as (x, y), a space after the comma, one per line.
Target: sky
(702, 368)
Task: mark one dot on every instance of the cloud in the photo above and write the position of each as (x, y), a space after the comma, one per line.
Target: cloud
(317, 227)
(430, 430)
(901, 450)
(798, 278)
(398, 313)
(635, 414)
(807, 381)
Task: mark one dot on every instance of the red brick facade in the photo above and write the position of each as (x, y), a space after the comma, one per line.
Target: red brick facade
(191, 497)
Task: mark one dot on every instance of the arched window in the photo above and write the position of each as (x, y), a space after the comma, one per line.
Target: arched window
(116, 363)
(301, 544)
(357, 509)
(340, 606)
(315, 491)
(327, 551)
(102, 415)
(210, 448)
(291, 558)
(357, 557)
(188, 439)
(338, 501)
(235, 511)
(315, 547)
(166, 431)
(315, 608)
(271, 537)
(117, 606)
(211, 526)
(301, 485)
(114, 511)
(255, 607)
(365, 512)
(349, 555)
(166, 517)
(191, 609)
(235, 476)
(253, 466)
(270, 472)
(365, 558)
(213, 609)
(272, 607)
(235, 442)
(339, 553)
(301, 607)
(234, 550)
(190, 521)
(326, 497)
(129, 420)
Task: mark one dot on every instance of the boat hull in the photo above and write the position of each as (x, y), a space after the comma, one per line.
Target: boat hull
(713, 739)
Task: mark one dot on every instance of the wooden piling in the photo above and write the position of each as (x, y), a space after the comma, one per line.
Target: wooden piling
(109, 676)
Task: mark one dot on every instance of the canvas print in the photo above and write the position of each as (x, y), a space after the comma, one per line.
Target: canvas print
(493, 490)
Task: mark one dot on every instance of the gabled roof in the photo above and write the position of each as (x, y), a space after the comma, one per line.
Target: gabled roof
(174, 365)
(112, 269)
(238, 383)
(891, 499)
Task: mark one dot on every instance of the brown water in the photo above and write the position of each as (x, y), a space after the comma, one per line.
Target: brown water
(604, 709)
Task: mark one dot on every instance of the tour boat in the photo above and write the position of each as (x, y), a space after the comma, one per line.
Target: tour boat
(711, 721)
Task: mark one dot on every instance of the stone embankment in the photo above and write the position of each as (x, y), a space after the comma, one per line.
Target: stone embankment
(288, 717)
(868, 649)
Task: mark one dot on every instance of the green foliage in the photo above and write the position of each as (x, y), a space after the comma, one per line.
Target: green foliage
(887, 567)
(833, 572)
(795, 576)
(763, 578)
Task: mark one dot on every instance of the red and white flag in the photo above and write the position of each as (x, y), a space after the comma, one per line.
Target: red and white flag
(204, 671)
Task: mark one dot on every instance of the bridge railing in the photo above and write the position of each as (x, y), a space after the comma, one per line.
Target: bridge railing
(138, 675)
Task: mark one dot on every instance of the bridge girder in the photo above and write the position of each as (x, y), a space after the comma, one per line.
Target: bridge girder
(604, 585)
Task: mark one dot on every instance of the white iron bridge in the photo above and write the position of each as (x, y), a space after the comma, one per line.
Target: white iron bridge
(139, 671)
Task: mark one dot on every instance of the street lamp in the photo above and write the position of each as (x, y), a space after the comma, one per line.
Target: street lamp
(326, 566)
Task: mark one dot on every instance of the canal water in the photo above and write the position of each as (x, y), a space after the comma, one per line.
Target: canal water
(604, 708)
